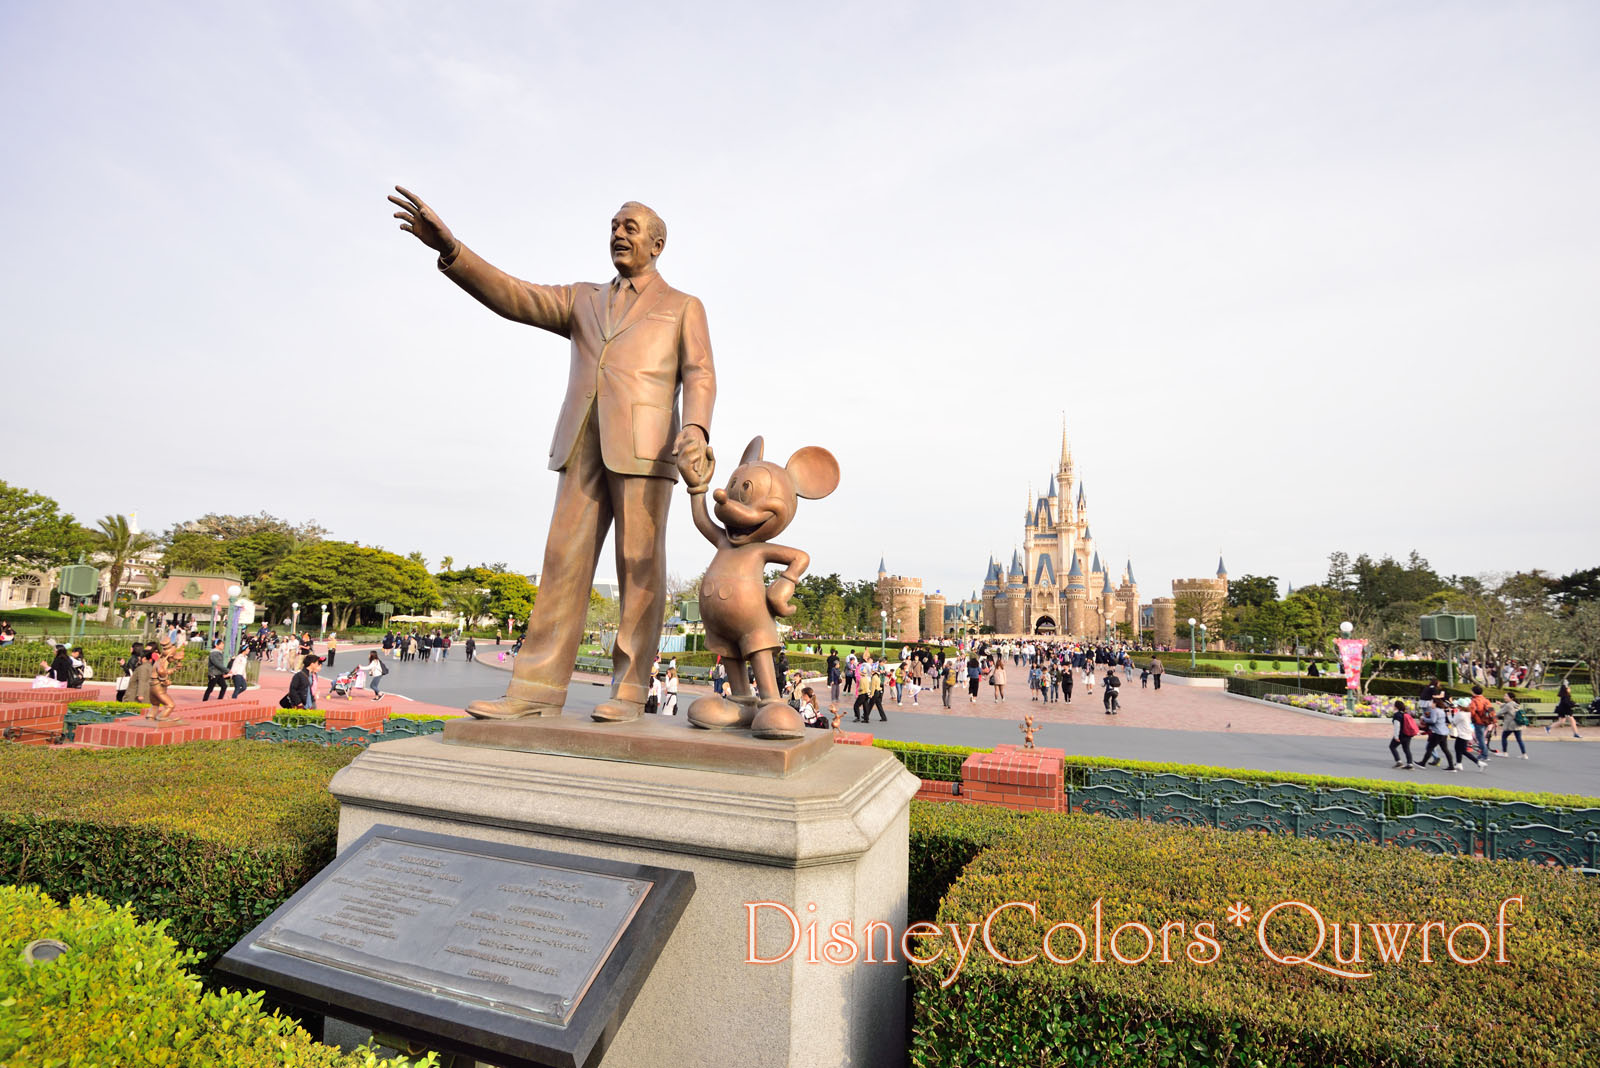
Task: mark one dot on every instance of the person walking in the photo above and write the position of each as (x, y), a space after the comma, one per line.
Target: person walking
(1437, 720)
(472, 649)
(877, 684)
(1512, 720)
(974, 673)
(303, 687)
(669, 693)
(1112, 684)
(216, 671)
(1483, 720)
(236, 672)
(1461, 736)
(1566, 711)
(948, 673)
(1405, 729)
(1156, 668)
(997, 678)
(333, 647)
(375, 673)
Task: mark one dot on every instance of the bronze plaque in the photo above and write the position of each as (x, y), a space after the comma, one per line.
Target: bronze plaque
(515, 936)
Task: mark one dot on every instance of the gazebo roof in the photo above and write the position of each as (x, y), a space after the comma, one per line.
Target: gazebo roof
(190, 591)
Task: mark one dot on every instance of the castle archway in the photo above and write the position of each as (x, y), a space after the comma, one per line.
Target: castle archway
(1045, 625)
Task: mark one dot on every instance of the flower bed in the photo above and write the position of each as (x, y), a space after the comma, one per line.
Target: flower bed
(1331, 704)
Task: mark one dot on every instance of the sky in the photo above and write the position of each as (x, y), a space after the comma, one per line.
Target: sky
(1296, 277)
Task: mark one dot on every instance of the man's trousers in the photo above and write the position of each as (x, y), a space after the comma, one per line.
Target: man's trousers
(589, 501)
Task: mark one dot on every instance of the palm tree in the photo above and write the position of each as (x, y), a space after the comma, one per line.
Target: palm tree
(117, 539)
(473, 604)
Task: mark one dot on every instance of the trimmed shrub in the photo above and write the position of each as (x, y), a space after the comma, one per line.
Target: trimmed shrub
(124, 708)
(937, 763)
(1245, 1009)
(210, 835)
(1075, 774)
(944, 839)
(120, 995)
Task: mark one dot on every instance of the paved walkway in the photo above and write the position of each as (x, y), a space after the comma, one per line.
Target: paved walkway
(1183, 724)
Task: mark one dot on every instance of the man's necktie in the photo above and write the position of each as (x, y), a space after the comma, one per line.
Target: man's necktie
(619, 305)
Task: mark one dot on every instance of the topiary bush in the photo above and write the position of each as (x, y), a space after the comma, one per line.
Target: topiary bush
(1243, 1008)
(211, 835)
(944, 839)
(120, 995)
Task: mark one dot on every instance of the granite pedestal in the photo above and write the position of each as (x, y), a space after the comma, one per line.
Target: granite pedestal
(831, 834)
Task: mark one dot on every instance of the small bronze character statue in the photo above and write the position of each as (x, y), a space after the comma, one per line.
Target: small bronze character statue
(1028, 731)
(738, 607)
(833, 720)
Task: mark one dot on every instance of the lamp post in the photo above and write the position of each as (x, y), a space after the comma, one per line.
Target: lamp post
(1191, 641)
(323, 633)
(1349, 692)
(1202, 637)
(211, 635)
(233, 619)
(883, 641)
(294, 621)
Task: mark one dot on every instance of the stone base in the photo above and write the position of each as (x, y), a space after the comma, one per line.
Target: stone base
(832, 835)
(647, 740)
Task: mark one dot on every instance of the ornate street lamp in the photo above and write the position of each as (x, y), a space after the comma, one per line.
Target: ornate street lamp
(324, 630)
(883, 641)
(294, 622)
(1191, 641)
(233, 619)
(211, 635)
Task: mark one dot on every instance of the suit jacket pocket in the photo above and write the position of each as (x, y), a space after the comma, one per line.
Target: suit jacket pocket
(652, 433)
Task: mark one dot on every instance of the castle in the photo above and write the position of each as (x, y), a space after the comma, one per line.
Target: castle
(1057, 584)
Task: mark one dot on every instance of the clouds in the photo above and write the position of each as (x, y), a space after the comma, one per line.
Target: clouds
(1290, 271)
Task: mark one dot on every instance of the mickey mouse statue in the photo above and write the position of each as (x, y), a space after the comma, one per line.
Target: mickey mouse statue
(736, 605)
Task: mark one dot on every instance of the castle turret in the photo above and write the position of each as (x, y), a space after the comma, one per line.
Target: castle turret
(933, 615)
(1076, 599)
(1222, 571)
(901, 598)
(1164, 614)
(883, 572)
(1128, 601)
(991, 590)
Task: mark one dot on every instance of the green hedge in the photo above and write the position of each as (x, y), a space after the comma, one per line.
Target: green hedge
(944, 839)
(211, 835)
(126, 708)
(1537, 1011)
(21, 660)
(1075, 774)
(120, 995)
(938, 763)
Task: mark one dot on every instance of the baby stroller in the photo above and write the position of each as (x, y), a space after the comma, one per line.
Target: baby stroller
(343, 684)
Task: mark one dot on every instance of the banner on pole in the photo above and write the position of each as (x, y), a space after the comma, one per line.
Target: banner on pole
(1350, 650)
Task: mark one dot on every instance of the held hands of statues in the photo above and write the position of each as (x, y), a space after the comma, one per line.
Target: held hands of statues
(696, 461)
(421, 220)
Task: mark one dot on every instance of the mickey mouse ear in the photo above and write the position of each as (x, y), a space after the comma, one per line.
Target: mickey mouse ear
(753, 450)
(815, 472)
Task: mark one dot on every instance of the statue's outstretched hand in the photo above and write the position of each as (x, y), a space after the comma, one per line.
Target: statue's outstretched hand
(696, 461)
(421, 220)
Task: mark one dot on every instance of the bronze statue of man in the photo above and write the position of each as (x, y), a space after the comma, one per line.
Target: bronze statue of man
(636, 344)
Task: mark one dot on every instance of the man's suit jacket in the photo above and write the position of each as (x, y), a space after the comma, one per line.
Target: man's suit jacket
(630, 378)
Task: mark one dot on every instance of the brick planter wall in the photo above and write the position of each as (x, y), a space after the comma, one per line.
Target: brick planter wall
(368, 715)
(1026, 780)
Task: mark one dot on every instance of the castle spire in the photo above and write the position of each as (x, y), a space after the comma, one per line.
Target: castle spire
(1222, 568)
(1066, 450)
(1131, 579)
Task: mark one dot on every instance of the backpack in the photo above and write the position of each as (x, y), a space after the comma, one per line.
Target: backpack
(1522, 718)
(1408, 726)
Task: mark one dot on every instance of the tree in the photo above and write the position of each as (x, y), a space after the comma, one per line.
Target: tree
(830, 615)
(446, 563)
(1252, 590)
(117, 541)
(35, 534)
(231, 527)
(1577, 587)
(348, 578)
(510, 595)
(248, 546)
(1583, 634)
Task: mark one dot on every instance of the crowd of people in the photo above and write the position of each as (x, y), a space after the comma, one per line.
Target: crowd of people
(1463, 730)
